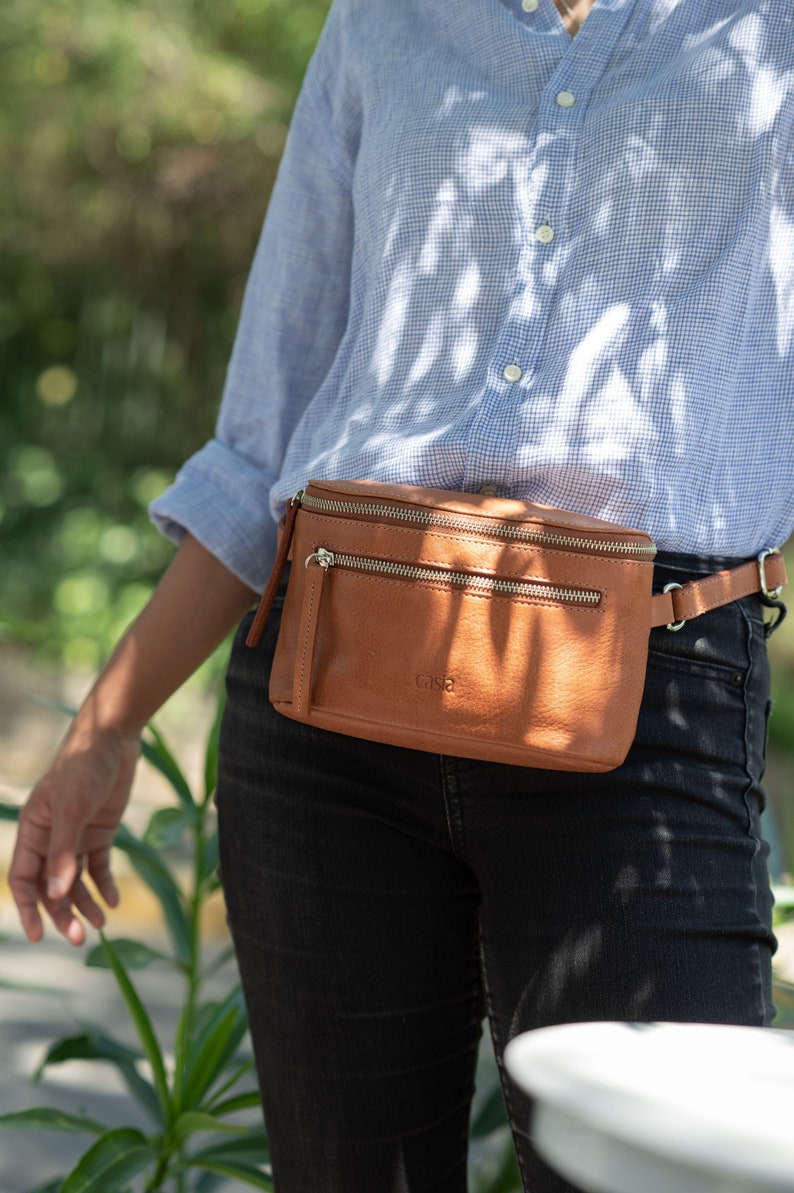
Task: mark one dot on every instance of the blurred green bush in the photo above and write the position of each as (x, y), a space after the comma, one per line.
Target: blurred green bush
(138, 146)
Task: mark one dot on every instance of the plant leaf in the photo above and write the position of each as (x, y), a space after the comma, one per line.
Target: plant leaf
(238, 1172)
(158, 755)
(251, 1147)
(132, 953)
(143, 1026)
(246, 1101)
(209, 1182)
(242, 1158)
(209, 861)
(30, 988)
(199, 1120)
(167, 825)
(211, 754)
(155, 874)
(214, 1047)
(115, 1158)
(43, 1118)
(94, 1046)
(237, 1074)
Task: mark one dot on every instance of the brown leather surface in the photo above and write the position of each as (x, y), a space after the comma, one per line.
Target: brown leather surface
(528, 679)
(420, 664)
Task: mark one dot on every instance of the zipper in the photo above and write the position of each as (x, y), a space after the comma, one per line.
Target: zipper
(407, 571)
(505, 530)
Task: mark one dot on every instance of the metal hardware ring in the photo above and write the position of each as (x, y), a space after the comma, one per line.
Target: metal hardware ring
(674, 626)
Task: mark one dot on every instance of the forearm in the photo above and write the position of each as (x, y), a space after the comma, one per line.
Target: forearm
(195, 605)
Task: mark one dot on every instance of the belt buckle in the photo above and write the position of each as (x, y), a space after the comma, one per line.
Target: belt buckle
(674, 626)
(771, 594)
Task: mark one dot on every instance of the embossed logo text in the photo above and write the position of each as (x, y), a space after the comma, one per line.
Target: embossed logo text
(435, 683)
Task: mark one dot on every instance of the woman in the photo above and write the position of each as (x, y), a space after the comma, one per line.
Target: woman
(522, 247)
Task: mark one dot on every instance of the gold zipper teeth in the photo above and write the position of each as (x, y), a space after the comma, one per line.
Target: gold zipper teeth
(500, 530)
(407, 571)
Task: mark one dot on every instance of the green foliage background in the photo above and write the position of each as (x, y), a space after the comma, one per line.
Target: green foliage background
(138, 145)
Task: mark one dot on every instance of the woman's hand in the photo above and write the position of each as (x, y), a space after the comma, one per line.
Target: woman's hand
(67, 827)
(66, 831)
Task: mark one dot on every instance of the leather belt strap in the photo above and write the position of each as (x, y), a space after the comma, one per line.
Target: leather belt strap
(763, 575)
(282, 554)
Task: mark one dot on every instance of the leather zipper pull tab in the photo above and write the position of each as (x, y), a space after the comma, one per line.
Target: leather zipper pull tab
(317, 567)
(271, 588)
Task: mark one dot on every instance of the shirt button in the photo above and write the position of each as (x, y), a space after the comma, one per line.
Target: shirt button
(566, 99)
(489, 490)
(512, 373)
(530, 5)
(544, 233)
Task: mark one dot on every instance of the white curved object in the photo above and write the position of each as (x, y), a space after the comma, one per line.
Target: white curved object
(662, 1108)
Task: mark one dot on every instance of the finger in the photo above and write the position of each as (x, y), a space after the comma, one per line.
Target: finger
(101, 876)
(63, 864)
(25, 894)
(24, 876)
(65, 921)
(89, 909)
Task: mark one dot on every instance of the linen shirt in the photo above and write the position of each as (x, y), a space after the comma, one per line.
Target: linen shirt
(497, 255)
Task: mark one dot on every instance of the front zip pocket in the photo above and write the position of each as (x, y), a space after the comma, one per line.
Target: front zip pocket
(539, 590)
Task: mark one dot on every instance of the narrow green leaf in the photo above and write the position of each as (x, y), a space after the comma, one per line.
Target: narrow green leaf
(209, 861)
(132, 953)
(244, 1158)
(42, 1118)
(251, 1148)
(9, 812)
(115, 1158)
(247, 1101)
(211, 755)
(199, 1120)
(167, 825)
(68, 710)
(214, 1047)
(158, 755)
(30, 988)
(236, 1075)
(238, 1172)
(95, 1046)
(87, 1046)
(209, 1182)
(507, 1179)
(148, 866)
(143, 1026)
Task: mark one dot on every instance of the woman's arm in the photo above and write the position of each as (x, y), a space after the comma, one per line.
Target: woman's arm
(69, 821)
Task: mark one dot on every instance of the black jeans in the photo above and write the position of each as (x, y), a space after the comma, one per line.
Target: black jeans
(382, 900)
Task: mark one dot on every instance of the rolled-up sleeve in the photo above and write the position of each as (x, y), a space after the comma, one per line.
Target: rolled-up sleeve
(293, 318)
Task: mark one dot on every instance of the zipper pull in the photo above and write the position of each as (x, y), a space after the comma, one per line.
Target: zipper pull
(303, 673)
(324, 558)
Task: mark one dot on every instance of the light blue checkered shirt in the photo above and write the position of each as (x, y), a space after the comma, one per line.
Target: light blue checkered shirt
(497, 255)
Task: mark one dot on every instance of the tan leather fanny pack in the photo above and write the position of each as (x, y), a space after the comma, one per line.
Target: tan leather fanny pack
(475, 626)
